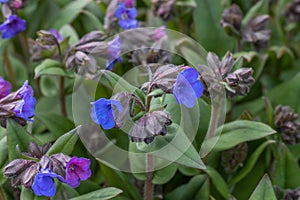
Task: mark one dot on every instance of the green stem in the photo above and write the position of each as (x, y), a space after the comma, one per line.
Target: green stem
(149, 187)
(10, 71)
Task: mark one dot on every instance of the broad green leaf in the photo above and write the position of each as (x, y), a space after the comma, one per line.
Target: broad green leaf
(93, 20)
(17, 135)
(218, 181)
(191, 3)
(261, 7)
(197, 188)
(68, 31)
(264, 190)
(209, 33)
(236, 132)
(51, 67)
(57, 124)
(102, 194)
(250, 162)
(70, 12)
(174, 147)
(286, 172)
(120, 180)
(4, 151)
(161, 176)
(65, 143)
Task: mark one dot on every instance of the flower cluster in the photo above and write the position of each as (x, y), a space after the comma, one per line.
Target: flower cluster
(81, 57)
(126, 15)
(19, 105)
(40, 172)
(13, 24)
(183, 82)
(255, 32)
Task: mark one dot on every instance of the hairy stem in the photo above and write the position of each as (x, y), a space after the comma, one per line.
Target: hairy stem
(149, 187)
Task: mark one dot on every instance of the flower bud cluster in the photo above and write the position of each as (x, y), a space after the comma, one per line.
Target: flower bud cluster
(19, 105)
(39, 170)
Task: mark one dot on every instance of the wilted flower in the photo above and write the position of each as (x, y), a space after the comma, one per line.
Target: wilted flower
(287, 122)
(163, 8)
(187, 88)
(102, 112)
(292, 11)
(232, 158)
(46, 38)
(149, 126)
(114, 52)
(291, 194)
(232, 20)
(239, 82)
(43, 184)
(257, 33)
(12, 26)
(26, 106)
(126, 16)
(5, 87)
(77, 169)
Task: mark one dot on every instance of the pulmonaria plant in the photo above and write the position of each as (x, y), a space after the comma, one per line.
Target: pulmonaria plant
(12, 26)
(164, 9)
(19, 105)
(82, 56)
(126, 15)
(39, 172)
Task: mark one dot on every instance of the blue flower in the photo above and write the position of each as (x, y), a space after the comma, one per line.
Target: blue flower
(126, 16)
(187, 88)
(12, 26)
(3, 1)
(114, 51)
(5, 88)
(43, 184)
(26, 106)
(77, 169)
(102, 112)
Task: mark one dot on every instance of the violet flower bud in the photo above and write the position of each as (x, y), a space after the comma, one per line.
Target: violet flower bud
(163, 8)
(46, 38)
(5, 88)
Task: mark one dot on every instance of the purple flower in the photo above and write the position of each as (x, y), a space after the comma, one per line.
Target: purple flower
(77, 169)
(43, 184)
(56, 34)
(5, 88)
(187, 88)
(126, 16)
(159, 33)
(102, 112)
(129, 3)
(12, 26)
(114, 51)
(25, 108)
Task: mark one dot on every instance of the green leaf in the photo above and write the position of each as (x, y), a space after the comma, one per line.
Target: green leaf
(209, 33)
(102, 194)
(68, 31)
(65, 143)
(70, 12)
(190, 3)
(17, 135)
(236, 132)
(120, 180)
(57, 124)
(196, 188)
(286, 172)
(218, 181)
(177, 142)
(93, 20)
(264, 190)
(4, 151)
(51, 67)
(261, 7)
(250, 162)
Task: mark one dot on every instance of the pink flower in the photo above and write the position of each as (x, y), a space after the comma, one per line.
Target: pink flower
(77, 169)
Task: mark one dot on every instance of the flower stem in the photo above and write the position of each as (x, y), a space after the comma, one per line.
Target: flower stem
(10, 71)
(148, 190)
(61, 83)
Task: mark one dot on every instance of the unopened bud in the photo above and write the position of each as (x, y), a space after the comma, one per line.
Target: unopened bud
(46, 38)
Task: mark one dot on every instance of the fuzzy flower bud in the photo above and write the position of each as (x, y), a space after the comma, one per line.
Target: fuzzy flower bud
(164, 9)
(231, 159)
(232, 20)
(292, 11)
(287, 122)
(46, 38)
(239, 82)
